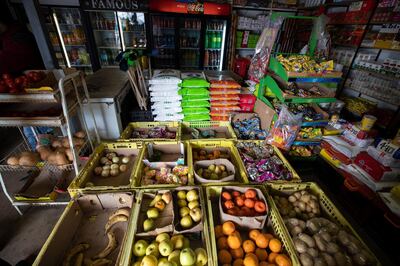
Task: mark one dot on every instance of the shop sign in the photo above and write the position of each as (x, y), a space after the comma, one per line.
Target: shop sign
(195, 8)
(118, 5)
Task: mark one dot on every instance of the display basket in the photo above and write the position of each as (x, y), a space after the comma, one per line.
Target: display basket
(145, 126)
(223, 130)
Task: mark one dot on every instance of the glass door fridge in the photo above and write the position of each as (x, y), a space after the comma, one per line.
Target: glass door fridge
(214, 44)
(189, 43)
(164, 41)
(133, 29)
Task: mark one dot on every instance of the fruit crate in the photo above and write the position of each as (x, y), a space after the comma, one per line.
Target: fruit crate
(328, 210)
(197, 239)
(170, 126)
(243, 171)
(223, 130)
(83, 221)
(274, 225)
(123, 180)
(226, 145)
(172, 148)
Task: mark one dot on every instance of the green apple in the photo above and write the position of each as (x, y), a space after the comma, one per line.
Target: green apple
(182, 203)
(186, 221)
(177, 240)
(148, 225)
(192, 195)
(182, 194)
(186, 242)
(166, 247)
(193, 204)
(166, 263)
(201, 256)
(152, 213)
(195, 213)
(161, 237)
(174, 256)
(187, 257)
(139, 248)
(152, 249)
(162, 261)
(184, 211)
(137, 263)
(156, 199)
(149, 260)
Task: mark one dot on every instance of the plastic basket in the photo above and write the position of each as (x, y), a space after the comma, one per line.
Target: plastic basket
(223, 129)
(78, 185)
(328, 209)
(225, 144)
(127, 249)
(274, 223)
(171, 126)
(296, 178)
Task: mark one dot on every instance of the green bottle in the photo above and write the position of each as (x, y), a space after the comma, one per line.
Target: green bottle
(219, 40)
(214, 40)
(206, 43)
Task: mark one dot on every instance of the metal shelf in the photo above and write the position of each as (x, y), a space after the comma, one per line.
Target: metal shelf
(81, 65)
(103, 30)
(380, 48)
(245, 48)
(27, 97)
(377, 74)
(189, 48)
(213, 49)
(108, 47)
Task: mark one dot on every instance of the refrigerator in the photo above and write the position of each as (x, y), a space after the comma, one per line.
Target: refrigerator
(164, 49)
(214, 44)
(67, 37)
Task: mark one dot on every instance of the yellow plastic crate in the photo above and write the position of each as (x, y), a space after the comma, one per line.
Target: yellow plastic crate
(171, 126)
(243, 171)
(127, 249)
(122, 181)
(274, 224)
(225, 144)
(223, 129)
(328, 209)
(140, 166)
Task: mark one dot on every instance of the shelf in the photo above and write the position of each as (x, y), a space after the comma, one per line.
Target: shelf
(190, 29)
(215, 30)
(127, 31)
(213, 49)
(387, 22)
(27, 97)
(104, 30)
(371, 96)
(131, 47)
(189, 48)
(72, 65)
(347, 24)
(378, 74)
(265, 8)
(380, 48)
(161, 28)
(243, 48)
(108, 47)
(345, 45)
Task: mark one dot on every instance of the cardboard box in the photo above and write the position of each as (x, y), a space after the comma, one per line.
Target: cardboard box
(376, 170)
(205, 163)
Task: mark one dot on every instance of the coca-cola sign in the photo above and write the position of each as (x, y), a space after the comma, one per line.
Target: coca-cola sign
(118, 5)
(195, 8)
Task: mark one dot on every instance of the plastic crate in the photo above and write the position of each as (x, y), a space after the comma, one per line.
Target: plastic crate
(223, 129)
(328, 209)
(296, 178)
(172, 126)
(127, 249)
(140, 165)
(224, 144)
(122, 181)
(273, 222)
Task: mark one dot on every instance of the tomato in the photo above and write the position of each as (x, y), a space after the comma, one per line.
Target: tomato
(9, 82)
(19, 80)
(6, 76)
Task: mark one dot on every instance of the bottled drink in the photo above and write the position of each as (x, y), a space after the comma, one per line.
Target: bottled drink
(214, 40)
(219, 40)
(104, 58)
(206, 58)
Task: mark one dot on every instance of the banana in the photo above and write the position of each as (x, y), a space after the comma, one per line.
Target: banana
(73, 251)
(156, 199)
(112, 244)
(122, 211)
(114, 220)
(101, 262)
(79, 259)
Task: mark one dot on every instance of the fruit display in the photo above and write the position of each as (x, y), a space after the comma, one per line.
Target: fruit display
(166, 250)
(161, 132)
(112, 164)
(26, 158)
(214, 170)
(300, 204)
(9, 84)
(246, 202)
(262, 163)
(190, 209)
(158, 212)
(251, 247)
(165, 175)
(212, 154)
(303, 151)
(309, 133)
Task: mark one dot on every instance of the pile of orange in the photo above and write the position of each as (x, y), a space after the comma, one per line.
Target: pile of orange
(258, 249)
(243, 204)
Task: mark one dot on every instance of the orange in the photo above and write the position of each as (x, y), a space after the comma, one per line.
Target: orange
(239, 201)
(229, 204)
(224, 257)
(222, 242)
(226, 195)
(237, 253)
(236, 233)
(234, 241)
(249, 203)
(261, 254)
(253, 234)
(250, 194)
(250, 260)
(272, 256)
(275, 245)
(235, 193)
(218, 231)
(226, 264)
(283, 260)
(269, 236)
(263, 263)
(228, 228)
(262, 241)
(249, 246)
(260, 207)
(238, 262)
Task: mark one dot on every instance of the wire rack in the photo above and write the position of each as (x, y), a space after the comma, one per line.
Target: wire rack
(4, 167)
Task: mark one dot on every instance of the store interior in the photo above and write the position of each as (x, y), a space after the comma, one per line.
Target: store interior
(194, 133)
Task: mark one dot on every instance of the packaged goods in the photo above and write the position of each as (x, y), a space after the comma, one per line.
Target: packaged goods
(303, 63)
(166, 77)
(225, 84)
(249, 128)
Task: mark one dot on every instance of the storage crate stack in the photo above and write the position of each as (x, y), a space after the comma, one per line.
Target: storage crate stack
(166, 102)
(224, 99)
(195, 97)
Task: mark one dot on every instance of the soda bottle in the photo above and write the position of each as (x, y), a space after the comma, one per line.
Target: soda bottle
(206, 40)
(219, 40)
(206, 58)
(214, 40)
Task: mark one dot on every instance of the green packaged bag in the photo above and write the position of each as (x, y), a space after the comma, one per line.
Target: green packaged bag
(194, 91)
(199, 117)
(195, 104)
(201, 110)
(195, 83)
(194, 98)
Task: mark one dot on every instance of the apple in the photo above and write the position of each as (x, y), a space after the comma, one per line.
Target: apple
(167, 197)
(177, 240)
(166, 247)
(156, 199)
(187, 257)
(182, 203)
(174, 256)
(186, 221)
(152, 249)
(152, 213)
(182, 194)
(195, 213)
(201, 256)
(137, 263)
(160, 205)
(186, 242)
(193, 204)
(149, 260)
(148, 225)
(161, 237)
(139, 248)
(184, 211)
(192, 195)
(162, 261)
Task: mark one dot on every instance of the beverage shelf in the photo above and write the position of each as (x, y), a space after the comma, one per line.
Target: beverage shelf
(215, 30)
(377, 74)
(104, 30)
(244, 48)
(190, 48)
(213, 49)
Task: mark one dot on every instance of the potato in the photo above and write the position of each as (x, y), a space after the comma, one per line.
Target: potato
(313, 225)
(283, 201)
(307, 239)
(352, 248)
(69, 154)
(343, 237)
(292, 198)
(301, 205)
(341, 259)
(304, 192)
(125, 159)
(306, 260)
(320, 262)
(326, 236)
(56, 143)
(111, 155)
(114, 166)
(308, 208)
(114, 172)
(297, 195)
(103, 160)
(305, 198)
(328, 259)
(296, 230)
(300, 245)
(13, 160)
(313, 252)
(106, 167)
(297, 210)
(123, 167)
(27, 160)
(321, 244)
(292, 221)
(105, 173)
(44, 152)
(332, 248)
